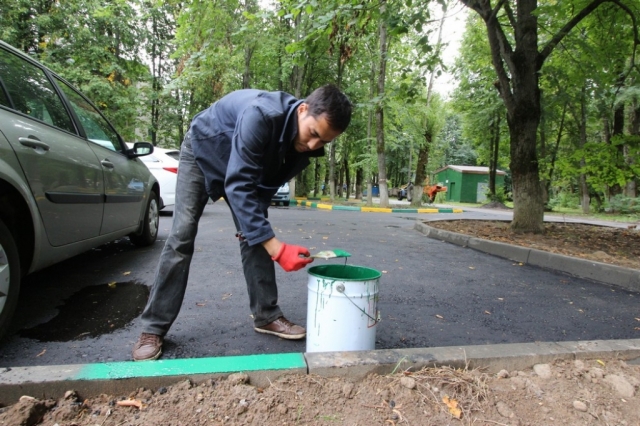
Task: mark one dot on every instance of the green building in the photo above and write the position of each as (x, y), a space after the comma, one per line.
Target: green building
(466, 184)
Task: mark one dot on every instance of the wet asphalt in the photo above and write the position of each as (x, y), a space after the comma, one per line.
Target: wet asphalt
(86, 309)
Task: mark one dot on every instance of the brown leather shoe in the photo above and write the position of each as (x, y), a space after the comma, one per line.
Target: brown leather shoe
(148, 347)
(284, 328)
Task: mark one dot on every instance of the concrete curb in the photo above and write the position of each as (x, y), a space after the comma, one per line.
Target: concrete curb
(124, 377)
(324, 206)
(626, 278)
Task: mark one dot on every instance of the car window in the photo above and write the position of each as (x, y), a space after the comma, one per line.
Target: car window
(149, 159)
(173, 154)
(95, 125)
(31, 91)
(4, 100)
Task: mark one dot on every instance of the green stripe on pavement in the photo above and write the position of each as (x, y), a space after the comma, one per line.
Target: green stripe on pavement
(177, 367)
(404, 210)
(445, 210)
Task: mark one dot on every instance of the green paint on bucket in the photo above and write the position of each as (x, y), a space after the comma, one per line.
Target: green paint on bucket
(342, 308)
(344, 272)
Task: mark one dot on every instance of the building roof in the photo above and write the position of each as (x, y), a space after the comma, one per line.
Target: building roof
(480, 170)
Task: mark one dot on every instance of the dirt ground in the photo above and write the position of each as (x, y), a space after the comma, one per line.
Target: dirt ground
(588, 392)
(616, 246)
(581, 392)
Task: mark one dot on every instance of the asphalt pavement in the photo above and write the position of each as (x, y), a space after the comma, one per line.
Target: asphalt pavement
(432, 293)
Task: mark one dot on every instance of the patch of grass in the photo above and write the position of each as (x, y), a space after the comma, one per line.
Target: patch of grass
(576, 212)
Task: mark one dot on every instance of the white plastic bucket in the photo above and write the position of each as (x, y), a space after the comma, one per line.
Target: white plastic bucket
(342, 308)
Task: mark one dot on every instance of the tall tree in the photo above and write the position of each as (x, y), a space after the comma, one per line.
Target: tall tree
(518, 60)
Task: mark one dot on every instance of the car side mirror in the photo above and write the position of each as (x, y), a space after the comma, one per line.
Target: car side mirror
(140, 149)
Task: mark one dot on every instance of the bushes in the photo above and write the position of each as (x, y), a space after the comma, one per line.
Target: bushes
(622, 205)
(566, 200)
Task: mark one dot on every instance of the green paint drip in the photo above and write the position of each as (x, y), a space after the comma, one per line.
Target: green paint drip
(178, 367)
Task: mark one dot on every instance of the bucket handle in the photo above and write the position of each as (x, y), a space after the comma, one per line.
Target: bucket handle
(340, 289)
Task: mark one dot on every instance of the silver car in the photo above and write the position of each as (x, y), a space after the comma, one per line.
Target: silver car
(68, 183)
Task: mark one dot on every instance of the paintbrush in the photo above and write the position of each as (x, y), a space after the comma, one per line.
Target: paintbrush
(330, 254)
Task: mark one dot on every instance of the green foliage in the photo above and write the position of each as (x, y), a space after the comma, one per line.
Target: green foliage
(604, 164)
(500, 196)
(565, 199)
(621, 204)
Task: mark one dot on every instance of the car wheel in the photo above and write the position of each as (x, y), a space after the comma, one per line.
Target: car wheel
(9, 277)
(149, 224)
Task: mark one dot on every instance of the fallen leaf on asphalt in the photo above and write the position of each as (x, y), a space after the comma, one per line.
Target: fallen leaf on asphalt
(384, 272)
(439, 316)
(112, 284)
(472, 267)
(226, 296)
(325, 238)
(520, 263)
(600, 362)
(453, 406)
(126, 273)
(500, 298)
(487, 312)
(200, 304)
(41, 353)
(637, 319)
(130, 403)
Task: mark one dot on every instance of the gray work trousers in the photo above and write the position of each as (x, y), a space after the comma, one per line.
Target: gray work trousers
(172, 273)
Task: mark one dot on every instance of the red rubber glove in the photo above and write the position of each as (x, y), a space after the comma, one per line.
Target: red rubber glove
(289, 257)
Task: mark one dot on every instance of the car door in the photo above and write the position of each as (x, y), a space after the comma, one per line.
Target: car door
(63, 173)
(125, 179)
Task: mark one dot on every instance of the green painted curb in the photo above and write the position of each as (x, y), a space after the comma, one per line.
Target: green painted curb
(351, 208)
(357, 209)
(177, 367)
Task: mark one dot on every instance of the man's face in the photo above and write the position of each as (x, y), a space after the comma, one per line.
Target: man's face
(313, 133)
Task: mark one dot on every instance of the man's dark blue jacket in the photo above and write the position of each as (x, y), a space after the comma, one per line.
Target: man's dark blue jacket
(244, 145)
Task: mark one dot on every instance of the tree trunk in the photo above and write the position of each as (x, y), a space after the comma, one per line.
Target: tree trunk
(332, 149)
(493, 163)
(631, 189)
(584, 188)
(554, 155)
(424, 150)
(368, 172)
(347, 178)
(421, 171)
(316, 177)
(380, 149)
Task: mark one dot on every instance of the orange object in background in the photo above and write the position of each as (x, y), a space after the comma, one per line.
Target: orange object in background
(432, 190)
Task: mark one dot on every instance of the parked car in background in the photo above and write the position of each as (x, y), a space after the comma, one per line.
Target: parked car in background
(282, 196)
(68, 182)
(163, 163)
(405, 191)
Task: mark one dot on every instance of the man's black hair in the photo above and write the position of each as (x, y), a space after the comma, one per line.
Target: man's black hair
(329, 100)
